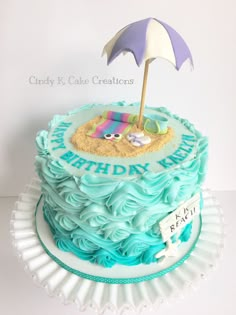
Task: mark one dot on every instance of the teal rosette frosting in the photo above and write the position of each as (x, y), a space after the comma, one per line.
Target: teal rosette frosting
(56, 120)
(70, 192)
(146, 219)
(66, 221)
(95, 215)
(84, 241)
(103, 258)
(116, 231)
(50, 171)
(56, 227)
(148, 256)
(97, 188)
(127, 199)
(135, 245)
(110, 221)
(184, 236)
(42, 143)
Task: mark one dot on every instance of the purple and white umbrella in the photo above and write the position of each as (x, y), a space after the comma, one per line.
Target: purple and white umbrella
(146, 40)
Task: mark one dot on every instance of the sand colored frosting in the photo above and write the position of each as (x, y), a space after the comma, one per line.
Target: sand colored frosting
(123, 148)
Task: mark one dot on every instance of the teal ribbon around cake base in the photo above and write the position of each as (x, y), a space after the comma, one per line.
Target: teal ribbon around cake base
(117, 274)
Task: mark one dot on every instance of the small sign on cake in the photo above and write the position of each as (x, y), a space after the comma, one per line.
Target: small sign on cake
(179, 218)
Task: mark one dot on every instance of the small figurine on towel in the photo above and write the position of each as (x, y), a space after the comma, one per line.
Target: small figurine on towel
(113, 123)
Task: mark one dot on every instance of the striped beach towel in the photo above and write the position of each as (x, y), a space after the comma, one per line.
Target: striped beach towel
(113, 122)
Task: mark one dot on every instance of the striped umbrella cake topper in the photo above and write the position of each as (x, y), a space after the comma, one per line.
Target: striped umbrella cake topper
(147, 40)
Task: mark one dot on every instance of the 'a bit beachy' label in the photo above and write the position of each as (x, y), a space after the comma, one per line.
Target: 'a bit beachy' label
(180, 217)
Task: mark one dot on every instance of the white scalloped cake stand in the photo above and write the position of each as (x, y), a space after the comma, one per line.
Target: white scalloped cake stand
(100, 296)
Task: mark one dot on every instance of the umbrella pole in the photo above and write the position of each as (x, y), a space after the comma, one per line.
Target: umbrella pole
(140, 121)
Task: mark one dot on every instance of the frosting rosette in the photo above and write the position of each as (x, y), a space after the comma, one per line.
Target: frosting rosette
(57, 202)
(144, 220)
(127, 199)
(66, 221)
(50, 171)
(70, 192)
(84, 242)
(116, 231)
(95, 215)
(56, 227)
(97, 188)
(42, 143)
(56, 119)
(181, 188)
(103, 258)
(135, 245)
(148, 256)
(203, 159)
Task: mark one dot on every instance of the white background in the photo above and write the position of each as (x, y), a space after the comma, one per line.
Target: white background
(61, 38)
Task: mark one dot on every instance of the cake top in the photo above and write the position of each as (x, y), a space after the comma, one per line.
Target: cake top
(122, 141)
(182, 145)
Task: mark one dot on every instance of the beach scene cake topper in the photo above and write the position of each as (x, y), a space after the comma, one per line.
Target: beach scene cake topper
(147, 40)
(126, 134)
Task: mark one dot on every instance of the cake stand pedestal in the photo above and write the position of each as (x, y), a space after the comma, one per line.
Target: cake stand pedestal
(114, 290)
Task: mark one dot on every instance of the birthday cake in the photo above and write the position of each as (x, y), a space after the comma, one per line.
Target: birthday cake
(106, 208)
(118, 187)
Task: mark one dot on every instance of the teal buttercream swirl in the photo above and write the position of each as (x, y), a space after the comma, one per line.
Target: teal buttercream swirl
(148, 256)
(135, 245)
(127, 199)
(84, 241)
(70, 192)
(185, 235)
(42, 143)
(56, 120)
(104, 258)
(67, 246)
(56, 201)
(95, 215)
(116, 231)
(50, 171)
(98, 189)
(110, 221)
(144, 220)
(66, 221)
(49, 216)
